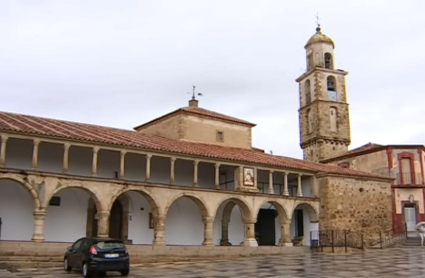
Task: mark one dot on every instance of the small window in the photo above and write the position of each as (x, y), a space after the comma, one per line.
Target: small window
(328, 61)
(55, 201)
(220, 136)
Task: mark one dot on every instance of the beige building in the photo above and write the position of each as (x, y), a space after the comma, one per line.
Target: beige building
(191, 177)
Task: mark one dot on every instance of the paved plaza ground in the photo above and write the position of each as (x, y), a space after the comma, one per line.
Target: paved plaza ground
(394, 262)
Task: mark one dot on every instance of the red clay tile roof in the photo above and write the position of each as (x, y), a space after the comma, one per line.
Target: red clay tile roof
(37, 126)
(197, 111)
(369, 148)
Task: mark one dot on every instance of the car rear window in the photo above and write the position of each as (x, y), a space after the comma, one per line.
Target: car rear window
(109, 244)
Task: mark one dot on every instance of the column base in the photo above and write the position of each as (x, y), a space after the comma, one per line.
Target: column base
(208, 243)
(225, 242)
(286, 244)
(37, 238)
(158, 243)
(271, 192)
(250, 242)
(103, 235)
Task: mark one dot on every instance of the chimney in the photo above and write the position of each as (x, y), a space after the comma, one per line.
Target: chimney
(193, 103)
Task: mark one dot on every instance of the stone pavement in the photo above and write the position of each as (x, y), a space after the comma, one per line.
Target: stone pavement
(394, 262)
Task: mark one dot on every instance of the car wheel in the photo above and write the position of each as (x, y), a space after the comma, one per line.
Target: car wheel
(125, 272)
(66, 266)
(86, 271)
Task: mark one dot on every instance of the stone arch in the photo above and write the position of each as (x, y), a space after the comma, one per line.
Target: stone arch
(92, 194)
(247, 212)
(150, 198)
(34, 194)
(201, 204)
(91, 229)
(312, 212)
(283, 212)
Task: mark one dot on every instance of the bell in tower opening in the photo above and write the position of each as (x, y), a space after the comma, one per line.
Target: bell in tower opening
(323, 115)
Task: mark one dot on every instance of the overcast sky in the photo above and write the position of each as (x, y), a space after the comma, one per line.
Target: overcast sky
(122, 63)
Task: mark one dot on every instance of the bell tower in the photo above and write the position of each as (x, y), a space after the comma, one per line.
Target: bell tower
(323, 114)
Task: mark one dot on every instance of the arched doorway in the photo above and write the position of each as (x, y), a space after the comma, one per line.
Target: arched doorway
(16, 211)
(304, 220)
(115, 221)
(271, 217)
(229, 228)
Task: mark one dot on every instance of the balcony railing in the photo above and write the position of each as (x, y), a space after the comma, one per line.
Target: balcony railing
(409, 178)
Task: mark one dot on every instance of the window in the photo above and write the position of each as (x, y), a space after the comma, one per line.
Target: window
(331, 83)
(407, 171)
(220, 136)
(328, 61)
(344, 164)
(55, 201)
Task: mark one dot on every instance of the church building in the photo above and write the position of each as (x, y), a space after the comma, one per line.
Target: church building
(191, 177)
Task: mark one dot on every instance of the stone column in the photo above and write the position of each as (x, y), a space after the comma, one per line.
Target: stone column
(3, 150)
(35, 154)
(208, 231)
(271, 189)
(250, 240)
(122, 164)
(315, 186)
(285, 239)
(159, 231)
(285, 184)
(217, 175)
(299, 187)
(103, 223)
(39, 216)
(172, 177)
(65, 166)
(148, 167)
(225, 232)
(195, 173)
(94, 161)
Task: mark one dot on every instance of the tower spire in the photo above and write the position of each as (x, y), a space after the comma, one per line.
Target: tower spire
(318, 29)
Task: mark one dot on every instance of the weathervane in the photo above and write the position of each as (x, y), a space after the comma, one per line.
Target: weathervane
(317, 20)
(195, 94)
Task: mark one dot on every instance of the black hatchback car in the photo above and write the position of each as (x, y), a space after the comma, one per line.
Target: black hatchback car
(95, 256)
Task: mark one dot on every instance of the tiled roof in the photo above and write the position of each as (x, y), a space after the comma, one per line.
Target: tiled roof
(37, 126)
(199, 112)
(367, 146)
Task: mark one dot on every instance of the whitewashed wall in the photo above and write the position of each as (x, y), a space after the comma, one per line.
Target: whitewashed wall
(308, 226)
(67, 222)
(16, 211)
(138, 227)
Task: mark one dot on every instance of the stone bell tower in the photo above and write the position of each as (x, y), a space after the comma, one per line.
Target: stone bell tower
(323, 114)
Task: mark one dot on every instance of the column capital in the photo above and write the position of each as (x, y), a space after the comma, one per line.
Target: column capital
(300, 175)
(36, 141)
(148, 155)
(173, 159)
(4, 137)
(67, 145)
(103, 214)
(217, 165)
(271, 171)
(123, 153)
(249, 220)
(39, 214)
(96, 149)
(207, 219)
(196, 162)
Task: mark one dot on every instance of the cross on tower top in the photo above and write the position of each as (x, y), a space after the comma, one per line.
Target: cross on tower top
(317, 20)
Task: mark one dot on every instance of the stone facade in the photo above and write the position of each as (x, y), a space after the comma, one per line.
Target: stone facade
(358, 205)
(323, 115)
(408, 187)
(198, 128)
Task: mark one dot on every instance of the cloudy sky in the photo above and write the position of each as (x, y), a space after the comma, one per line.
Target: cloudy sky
(121, 63)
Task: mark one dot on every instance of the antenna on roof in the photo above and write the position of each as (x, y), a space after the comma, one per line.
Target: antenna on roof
(195, 94)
